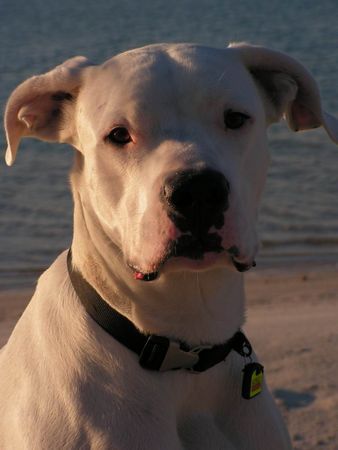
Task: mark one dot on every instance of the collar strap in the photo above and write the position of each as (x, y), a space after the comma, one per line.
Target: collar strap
(157, 353)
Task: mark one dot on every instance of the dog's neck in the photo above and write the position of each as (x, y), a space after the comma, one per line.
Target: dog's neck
(195, 307)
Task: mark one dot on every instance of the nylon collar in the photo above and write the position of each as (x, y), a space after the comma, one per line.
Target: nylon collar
(157, 353)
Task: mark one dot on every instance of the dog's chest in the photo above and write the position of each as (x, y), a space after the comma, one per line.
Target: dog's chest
(181, 410)
(130, 407)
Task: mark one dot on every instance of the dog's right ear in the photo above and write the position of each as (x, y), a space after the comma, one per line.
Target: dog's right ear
(36, 107)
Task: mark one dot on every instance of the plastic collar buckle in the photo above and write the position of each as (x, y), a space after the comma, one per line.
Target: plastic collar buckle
(197, 350)
(161, 354)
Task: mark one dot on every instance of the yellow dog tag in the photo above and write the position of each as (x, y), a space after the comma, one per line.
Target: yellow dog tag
(252, 380)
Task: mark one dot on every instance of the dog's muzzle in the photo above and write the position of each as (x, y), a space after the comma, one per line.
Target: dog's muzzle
(195, 201)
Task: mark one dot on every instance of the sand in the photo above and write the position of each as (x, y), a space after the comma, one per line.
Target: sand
(293, 326)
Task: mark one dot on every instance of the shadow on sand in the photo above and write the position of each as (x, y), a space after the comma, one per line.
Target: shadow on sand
(293, 399)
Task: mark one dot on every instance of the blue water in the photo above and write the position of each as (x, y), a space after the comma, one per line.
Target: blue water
(299, 215)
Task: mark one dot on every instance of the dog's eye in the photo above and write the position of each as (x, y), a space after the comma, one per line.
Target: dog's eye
(234, 119)
(119, 135)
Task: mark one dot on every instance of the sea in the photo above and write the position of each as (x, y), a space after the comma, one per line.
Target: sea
(299, 213)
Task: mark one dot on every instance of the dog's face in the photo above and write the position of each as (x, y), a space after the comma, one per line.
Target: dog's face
(173, 145)
(175, 156)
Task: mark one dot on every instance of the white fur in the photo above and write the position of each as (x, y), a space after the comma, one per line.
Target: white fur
(66, 383)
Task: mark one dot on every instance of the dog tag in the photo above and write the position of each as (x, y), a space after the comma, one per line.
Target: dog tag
(252, 380)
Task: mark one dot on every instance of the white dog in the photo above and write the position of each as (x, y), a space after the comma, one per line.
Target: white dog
(170, 162)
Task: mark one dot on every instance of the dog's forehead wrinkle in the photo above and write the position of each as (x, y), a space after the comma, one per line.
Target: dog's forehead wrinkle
(139, 67)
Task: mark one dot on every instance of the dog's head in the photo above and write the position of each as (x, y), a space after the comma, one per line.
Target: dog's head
(171, 140)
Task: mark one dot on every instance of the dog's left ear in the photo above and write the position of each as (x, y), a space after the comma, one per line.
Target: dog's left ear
(291, 90)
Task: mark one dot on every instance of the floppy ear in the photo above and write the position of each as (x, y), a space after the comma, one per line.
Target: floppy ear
(36, 107)
(291, 89)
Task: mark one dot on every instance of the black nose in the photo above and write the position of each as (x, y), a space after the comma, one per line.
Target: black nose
(196, 199)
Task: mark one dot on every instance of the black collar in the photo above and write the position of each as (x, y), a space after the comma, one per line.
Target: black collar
(155, 352)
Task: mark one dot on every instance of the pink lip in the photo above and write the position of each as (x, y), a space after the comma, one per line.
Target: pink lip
(182, 263)
(183, 257)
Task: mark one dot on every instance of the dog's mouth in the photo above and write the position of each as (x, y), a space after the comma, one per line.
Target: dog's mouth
(194, 248)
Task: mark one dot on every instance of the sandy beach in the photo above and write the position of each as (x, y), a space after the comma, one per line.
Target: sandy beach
(292, 321)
